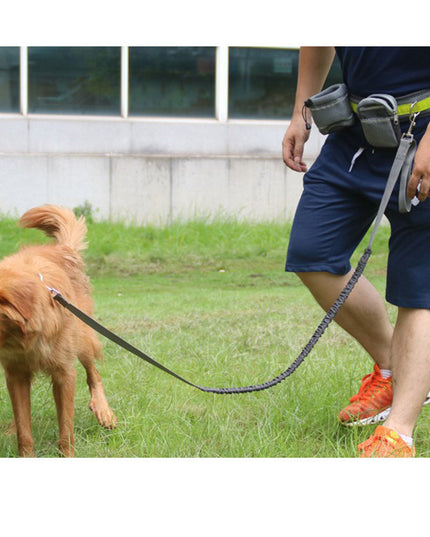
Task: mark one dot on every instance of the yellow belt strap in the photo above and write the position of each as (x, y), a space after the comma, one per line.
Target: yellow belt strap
(405, 109)
(420, 106)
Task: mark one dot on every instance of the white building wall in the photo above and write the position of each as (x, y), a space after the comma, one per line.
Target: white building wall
(149, 171)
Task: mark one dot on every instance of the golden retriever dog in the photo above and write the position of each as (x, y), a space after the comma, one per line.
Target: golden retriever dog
(38, 334)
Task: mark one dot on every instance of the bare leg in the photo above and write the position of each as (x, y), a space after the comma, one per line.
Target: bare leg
(411, 368)
(19, 385)
(363, 315)
(64, 395)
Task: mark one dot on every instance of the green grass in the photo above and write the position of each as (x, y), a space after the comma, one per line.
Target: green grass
(212, 302)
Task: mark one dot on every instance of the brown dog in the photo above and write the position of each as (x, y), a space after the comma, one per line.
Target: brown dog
(38, 334)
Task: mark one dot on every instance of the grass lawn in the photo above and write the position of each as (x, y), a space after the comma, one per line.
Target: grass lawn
(212, 302)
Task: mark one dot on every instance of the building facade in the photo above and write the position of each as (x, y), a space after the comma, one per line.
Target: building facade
(149, 135)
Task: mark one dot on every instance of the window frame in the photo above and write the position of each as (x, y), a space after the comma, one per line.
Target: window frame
(221, 91)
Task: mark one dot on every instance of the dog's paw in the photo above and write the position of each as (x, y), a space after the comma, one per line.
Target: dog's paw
(106, 418)
(103, 413)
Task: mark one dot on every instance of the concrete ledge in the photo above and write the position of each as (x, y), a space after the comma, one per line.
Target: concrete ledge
(149, 171)
(23, 183)
(98, 135)
(151, 190)
(140, 190)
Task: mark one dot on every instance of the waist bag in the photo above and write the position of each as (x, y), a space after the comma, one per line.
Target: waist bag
(331, 109)
(379, 120)
(379, 114)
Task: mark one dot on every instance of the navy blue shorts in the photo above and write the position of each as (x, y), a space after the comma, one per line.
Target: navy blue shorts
(338, 206)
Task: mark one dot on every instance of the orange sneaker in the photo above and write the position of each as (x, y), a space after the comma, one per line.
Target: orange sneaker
(372, 403)
(385, 443)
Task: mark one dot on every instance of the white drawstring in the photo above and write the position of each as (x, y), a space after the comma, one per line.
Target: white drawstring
(355, 157)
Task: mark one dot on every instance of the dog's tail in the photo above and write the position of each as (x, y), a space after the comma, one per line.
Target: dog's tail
(59, 223)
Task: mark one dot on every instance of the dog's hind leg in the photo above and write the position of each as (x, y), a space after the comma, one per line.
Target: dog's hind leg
(63, 382)
(19, 385)
(98, 402)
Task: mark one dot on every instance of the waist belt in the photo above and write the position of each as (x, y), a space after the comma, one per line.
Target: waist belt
(418, 101)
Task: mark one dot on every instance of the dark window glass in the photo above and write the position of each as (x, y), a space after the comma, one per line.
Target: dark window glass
(9, 79)
(263, 82)
(335, 74)
(75, 80)
(172, 81)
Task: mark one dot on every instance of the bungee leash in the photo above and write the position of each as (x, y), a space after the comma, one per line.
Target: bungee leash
(221, 391)
(401, 168)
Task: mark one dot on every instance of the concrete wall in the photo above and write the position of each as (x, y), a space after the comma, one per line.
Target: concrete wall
(149, 171)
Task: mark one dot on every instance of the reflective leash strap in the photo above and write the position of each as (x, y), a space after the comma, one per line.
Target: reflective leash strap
(401, 167)
(406, 149)
(405, 203)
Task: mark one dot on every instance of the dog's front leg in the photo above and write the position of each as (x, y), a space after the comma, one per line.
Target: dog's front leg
(19, 385)
(64, 394)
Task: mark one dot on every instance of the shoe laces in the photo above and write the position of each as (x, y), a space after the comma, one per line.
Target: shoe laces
(372, 379)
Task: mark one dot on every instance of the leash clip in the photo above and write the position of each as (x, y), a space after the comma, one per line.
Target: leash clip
(52, 290)
(412, 117)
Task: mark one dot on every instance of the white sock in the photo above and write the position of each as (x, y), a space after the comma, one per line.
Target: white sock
(407, 439)
(386, 373)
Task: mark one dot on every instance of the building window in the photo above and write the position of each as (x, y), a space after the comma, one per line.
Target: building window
(9, 79)
(172, 81)
(74, 80)
(262, 82)
(183, 82)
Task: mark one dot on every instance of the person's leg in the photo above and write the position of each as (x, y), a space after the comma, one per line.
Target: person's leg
(408, 266)
(363, 315)
(410, 355)
(337, 207)
(410, 352)
(332, 218)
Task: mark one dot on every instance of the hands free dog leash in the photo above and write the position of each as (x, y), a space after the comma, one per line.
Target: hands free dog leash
(401, 167)
(243, 389)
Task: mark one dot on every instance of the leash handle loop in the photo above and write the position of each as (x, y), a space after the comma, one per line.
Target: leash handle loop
(403, 158)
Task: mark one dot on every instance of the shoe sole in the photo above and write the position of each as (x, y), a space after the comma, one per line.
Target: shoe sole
(379, 418)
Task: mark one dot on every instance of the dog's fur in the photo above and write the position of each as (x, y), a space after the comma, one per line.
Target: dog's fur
(38, 334)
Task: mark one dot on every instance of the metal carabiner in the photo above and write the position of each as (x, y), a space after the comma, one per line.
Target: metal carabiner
(412, 117)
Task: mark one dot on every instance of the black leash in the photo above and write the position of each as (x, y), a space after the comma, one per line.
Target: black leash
(223, 391)
(402, 159)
